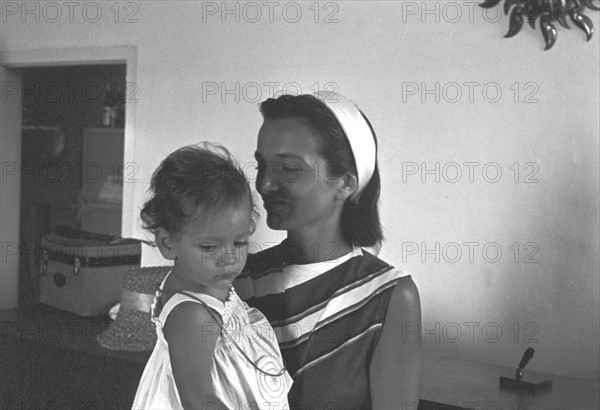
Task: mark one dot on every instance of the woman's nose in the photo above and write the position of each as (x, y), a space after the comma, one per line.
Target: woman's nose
(265, 179)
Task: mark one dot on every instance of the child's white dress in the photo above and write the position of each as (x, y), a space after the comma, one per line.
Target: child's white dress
(235, 381)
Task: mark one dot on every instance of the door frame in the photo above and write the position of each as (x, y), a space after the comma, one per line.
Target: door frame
(10, 128)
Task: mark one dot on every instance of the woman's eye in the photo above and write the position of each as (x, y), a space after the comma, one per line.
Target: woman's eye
(241, 244)
(208, 248)
(291, 173)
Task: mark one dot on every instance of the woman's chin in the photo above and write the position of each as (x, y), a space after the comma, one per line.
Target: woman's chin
(276, 222)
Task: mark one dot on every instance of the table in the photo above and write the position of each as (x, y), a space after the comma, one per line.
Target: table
(50, 359)
(473, 385)
(71, 368)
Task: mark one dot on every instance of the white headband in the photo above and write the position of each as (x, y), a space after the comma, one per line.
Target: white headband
(359, 135)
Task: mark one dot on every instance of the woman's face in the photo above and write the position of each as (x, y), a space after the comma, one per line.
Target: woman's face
(293, 178)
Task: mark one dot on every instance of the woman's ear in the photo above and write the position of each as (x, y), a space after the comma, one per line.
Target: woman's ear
(347, 186)
(164, 242)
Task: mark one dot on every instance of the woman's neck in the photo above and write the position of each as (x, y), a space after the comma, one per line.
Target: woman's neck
(315, 245)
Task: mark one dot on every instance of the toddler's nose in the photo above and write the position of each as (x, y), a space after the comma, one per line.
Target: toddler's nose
(229, 257)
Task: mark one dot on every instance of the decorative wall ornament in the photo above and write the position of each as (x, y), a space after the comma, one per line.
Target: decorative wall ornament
(547, 12)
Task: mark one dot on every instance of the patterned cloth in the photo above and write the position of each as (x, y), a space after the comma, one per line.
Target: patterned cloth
(327, 317)
(236, 383)
(133, 329)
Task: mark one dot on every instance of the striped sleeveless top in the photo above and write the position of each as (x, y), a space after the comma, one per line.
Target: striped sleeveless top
(327, 317)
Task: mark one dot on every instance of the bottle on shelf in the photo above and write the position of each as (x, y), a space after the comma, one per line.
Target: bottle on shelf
(108, 107)
(119, 110)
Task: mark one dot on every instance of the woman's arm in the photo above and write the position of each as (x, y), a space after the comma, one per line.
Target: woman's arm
(397, 362)
(192, 336)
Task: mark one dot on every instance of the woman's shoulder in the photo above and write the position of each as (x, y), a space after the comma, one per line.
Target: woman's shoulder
(405, 303)
(379, 264)
(405, 288)
(266, 260)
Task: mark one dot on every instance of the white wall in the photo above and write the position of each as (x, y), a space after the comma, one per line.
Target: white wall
(371, 54)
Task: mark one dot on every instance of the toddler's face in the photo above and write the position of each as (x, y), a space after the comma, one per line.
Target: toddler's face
(212, 251)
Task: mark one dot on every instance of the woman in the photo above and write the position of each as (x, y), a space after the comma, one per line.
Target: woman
(347, 323)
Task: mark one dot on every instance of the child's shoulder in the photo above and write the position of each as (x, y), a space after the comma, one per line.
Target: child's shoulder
(178, 301)
(181, 310)
(186, 320)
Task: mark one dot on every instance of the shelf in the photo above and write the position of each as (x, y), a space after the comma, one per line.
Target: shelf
(105, 129)
(101, 205)
(40, 128)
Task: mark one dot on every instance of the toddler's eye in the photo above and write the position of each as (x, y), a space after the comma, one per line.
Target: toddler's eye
(241, 244)
(208, 248)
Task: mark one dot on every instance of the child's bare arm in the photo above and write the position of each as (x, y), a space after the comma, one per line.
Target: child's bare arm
(192, 335)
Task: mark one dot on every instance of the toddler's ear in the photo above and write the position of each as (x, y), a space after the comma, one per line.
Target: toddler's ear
(165, 245)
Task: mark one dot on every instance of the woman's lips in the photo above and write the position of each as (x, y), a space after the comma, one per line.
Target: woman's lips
(274, 204)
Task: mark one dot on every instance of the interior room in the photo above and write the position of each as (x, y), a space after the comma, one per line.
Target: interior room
(488, 150)
(60, 164)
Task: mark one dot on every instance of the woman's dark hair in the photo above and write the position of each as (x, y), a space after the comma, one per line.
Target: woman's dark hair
(360, 221)
(192, 182)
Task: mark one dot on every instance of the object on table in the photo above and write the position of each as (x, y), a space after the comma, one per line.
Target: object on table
(518, 385)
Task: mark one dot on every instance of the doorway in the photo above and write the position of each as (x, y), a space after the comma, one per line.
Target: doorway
(58, 137)
(71, 158)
